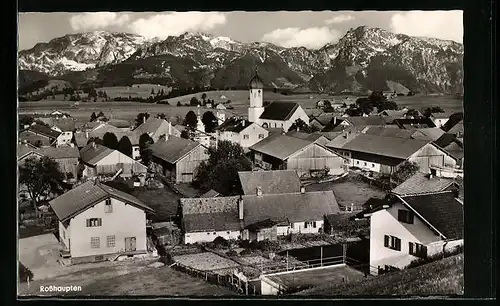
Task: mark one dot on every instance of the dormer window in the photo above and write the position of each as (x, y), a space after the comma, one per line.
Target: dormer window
(108, 207)
(405, 216)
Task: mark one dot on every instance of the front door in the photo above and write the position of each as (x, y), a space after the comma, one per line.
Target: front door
(129, 244)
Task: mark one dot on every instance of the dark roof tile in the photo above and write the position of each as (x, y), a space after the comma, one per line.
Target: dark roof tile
(280, 111)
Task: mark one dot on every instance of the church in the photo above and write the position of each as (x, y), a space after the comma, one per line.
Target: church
(276, 114)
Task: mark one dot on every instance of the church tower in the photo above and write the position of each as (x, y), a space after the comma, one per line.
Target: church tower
(200, 126)
(256, 108)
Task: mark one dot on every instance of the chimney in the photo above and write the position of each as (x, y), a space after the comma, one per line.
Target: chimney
(93, 145)
(302, 189)
(335, 120)
(144, 119)
(258, 191)
(240, 208)
(166, 137)
(243, 123)
(87, 135)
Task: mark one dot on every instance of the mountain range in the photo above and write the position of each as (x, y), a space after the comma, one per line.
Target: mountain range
(365, 58)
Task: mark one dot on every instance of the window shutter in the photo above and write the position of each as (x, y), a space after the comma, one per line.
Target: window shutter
(398, 244)
(400, 215)
(410, 217)
(410, 247)
(386, 241)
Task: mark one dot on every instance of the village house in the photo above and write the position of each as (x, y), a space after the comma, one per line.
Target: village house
(458, 130)
(384, 154)
(40, 136)
(65, 126)
(66, 157)
(412, 227)
(98, 160)
(319, 122)
(97, 222)
(156, 127)
(241, 131)
(440, 119)
(177, 158)
(269, 182)
(82, 138)
(256, 216)
(276, 114)
(281, 152)
(394, 113)
(416, 123)
(428, 133)
(357, 123)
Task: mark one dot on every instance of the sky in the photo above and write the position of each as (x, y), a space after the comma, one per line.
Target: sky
(288, 29)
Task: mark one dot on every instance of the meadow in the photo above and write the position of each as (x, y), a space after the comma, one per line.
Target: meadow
(239, 101)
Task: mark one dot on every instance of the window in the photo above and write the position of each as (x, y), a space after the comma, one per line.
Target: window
(373, 165)
(208, 233)
(64, 234)
(93, 222)
(246, 136)
(357, 162)
(261, 136)
(282, 125)
(417, 249)
(108, 207)
(228, 232)
(310, 224)
(365, 163)
(215, 233)
(392, 242)
(110, 241)
(95, 242)
(405, 216)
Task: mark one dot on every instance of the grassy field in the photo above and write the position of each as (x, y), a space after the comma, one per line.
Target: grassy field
(118, 279)
(318, 277)
(136, 90)
(349, 192)
(443, 277)
(239, 100)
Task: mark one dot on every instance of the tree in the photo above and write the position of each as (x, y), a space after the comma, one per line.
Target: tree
(110, 140)
(96, 140)
(387, 105)
(141, 118)
(191, 120)
(25, 120)
(405, 171)
(93, 117)
(101, 114)
(41, 177)
(301, 125)
(412, 113)
(204, 97)
(162, 93)
(161, 116)
(185, 134)
(152, 91)
(144, 142)
(210, 121)
(179, 103)
(220, 171)
(125, 146)
(194, 101)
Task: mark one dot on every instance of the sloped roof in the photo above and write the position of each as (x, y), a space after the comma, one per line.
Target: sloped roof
(324, 118)
(330, 135)
(275, 181)
(44, 130)
(220, 221)
(23, 149)
(364, 121)
(85, 195)
(59, 152)
(418, 123)
(92, 155)
(445, 140)
(457, 128)
(65, 124)
(210, 194)
(279, 111)
(455, 149)
(421, 183)
(313, 137)
(280, 146)
(385, 146)
(389, 132)
(173, 148)
(119, 123)
(440, 210)
(234, 124)
(394, 113)
(430, 133)
(341, 139)
(296, 207)
(152, 125)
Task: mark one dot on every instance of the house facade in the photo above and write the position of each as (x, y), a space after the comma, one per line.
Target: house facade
(177, 158)
(242, 132)
(101, 225)
(414, 227)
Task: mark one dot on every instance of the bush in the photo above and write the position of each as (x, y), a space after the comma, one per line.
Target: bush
(179, 103)
(167, 259)
(25, 274)
(421, 261)
(232, 253)
(221, 242)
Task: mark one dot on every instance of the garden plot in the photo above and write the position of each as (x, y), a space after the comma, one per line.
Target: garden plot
(255, 259)
(205, 261)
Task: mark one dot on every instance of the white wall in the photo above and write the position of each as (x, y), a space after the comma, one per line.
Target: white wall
(442, 246)
(256, 104)
(64, 234)
(194, 237)
(370, 166)
(385, 222)
(124, 221)
(64, 138)
(267, 286)
(300, 227)
(253, 131)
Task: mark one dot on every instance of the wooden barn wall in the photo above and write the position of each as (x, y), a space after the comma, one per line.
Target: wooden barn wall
(128, 169)
(316, 158)
(68, 165)
(429, 155)
(189, 163)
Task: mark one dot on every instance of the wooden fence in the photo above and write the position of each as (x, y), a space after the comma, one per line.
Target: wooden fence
(227, 280)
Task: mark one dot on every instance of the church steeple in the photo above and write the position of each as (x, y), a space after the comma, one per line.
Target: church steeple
(256, 82)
